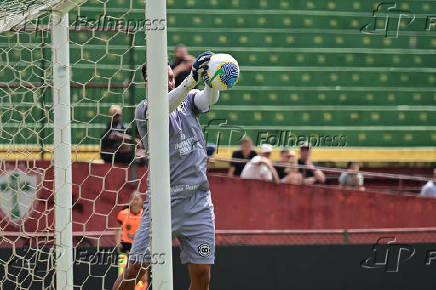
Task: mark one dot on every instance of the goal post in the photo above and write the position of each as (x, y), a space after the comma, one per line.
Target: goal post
(157, 93)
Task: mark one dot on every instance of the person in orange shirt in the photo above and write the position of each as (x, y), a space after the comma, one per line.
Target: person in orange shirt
(128, 222)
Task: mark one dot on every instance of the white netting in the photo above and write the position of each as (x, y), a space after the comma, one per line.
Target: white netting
(108, 162)
(15, 12)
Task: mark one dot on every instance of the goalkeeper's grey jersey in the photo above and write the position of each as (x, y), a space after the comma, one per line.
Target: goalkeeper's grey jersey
(188, 159)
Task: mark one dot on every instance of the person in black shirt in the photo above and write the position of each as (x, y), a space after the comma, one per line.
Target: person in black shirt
(285, 156)
(182, 64)
(246, 152)
(311, 175)
(117, 144)
(288, 174)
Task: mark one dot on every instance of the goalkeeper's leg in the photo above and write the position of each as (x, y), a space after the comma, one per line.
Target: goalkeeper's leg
(200, 276)
(122, 263)
(131, 276)
(142, 284)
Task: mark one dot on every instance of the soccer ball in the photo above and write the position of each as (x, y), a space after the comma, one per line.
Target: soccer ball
(223, 72)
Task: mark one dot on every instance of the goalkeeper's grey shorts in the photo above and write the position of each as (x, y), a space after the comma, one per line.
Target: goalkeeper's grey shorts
(193, 223)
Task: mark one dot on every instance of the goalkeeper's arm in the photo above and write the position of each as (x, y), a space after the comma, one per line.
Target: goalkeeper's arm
(204, 98)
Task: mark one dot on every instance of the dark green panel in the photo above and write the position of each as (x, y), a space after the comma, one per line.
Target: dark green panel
(308, 55)
(328, 116)
(304, 6)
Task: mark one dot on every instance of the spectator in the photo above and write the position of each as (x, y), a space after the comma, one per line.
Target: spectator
(182, 63)
(430, 188)
(117, 144)
(210, 149)
(128, 222)
(288, 174)
(246, 152)
(260, 167)
(311, 175)
(285, 157)
(352, 178)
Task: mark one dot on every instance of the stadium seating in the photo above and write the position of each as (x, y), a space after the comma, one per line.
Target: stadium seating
(305, 67)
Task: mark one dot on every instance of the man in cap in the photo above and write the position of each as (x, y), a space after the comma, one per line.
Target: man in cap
(260, 167)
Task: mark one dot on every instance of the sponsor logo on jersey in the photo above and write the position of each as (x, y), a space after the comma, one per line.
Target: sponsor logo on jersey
(186, 145)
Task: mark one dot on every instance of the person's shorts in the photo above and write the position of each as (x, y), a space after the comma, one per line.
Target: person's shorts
(193, 223)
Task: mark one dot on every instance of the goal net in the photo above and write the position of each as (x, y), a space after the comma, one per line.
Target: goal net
(38, 222)
(14, 12)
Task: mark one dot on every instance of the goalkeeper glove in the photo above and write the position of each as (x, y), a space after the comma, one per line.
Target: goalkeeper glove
(199, 66)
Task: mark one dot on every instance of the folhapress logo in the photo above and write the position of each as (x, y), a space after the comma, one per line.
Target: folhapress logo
(388, 255)
(388, 20)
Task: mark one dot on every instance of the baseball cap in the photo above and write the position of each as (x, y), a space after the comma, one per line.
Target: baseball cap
(266, 148)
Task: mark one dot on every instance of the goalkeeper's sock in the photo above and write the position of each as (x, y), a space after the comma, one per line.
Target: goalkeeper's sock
(122, 262)
(141, 286)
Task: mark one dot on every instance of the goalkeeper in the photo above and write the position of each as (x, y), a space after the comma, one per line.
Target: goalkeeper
(192, 212)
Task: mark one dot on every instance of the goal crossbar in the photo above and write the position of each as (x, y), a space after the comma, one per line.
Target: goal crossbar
(14, 12)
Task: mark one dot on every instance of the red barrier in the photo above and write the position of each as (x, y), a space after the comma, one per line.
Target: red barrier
(253, 204)
(101, 191)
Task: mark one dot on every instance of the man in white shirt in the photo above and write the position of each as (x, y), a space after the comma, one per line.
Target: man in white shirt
(260, 167)
(430, 188)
